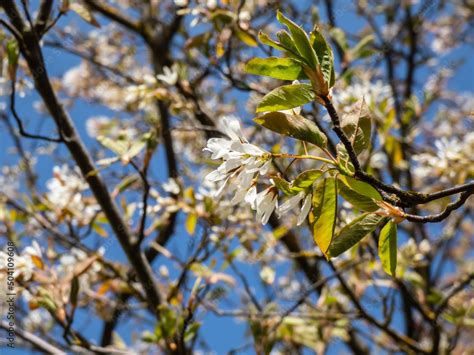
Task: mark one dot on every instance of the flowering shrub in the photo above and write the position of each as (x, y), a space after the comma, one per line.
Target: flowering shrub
(201, 177)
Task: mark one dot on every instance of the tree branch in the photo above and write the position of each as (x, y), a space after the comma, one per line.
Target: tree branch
(34, 340)
(114, 15)
(31, 50)
(405, 198)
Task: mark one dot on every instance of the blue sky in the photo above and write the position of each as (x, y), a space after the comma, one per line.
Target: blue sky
(222, 333)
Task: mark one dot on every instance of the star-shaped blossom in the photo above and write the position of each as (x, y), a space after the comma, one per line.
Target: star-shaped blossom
(241, 160)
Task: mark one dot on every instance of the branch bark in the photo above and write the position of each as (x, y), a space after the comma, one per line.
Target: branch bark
(31, 51)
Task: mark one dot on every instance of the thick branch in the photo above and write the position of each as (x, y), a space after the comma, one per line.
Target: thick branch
(43, 16)
(405, 198)
(442, 215)
(114, 15)
(34, 340)
(31, 50)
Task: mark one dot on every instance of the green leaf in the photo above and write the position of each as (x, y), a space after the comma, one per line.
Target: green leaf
(286, 97)
(191, 331)
(245, 37)
(388, 248)
(85, 12)
(362, 49)
(290, 46)
(353, 232)
(357, 126)
(293, 126)
(306, 179)
(339, 36)
(191, 222)
(361, 187)
(300, 39)
(99, 230)
(125, 183)
(265, 39)
(134, 149)
(117, 146)
(359, 201)
(123, 148)
(345, 165)
(278, 68)
(282, 185)
(325, 213)
(13, 53)
(325, 56)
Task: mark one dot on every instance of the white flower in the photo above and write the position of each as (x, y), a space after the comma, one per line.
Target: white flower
(181, 3)
(33, 250)
(169, 76)
(94, 125)
(291, 203)
(267, 274)
(241, 160)
(266, 202)
(294, 201)
(425, 247)
(164, 271)
(171, 186)
(65, 191)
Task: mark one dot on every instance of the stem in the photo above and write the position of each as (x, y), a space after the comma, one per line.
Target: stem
(305, 156)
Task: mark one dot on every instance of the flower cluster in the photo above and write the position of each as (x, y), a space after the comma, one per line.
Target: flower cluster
(242, 164)
(65, 193)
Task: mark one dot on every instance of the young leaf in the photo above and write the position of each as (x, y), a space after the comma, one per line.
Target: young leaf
(357, 126)
(282, 185)
(325, 56)
(278, 68)
(85, 12)
(353, 232)
(13, 53)
(361, 187)
(306, 179)
(325, 212)
(265, 39)
(117, 146)
(293, 126)
(345, 164)
(340, 38)
(245, 37)
(362, 49)
(287, 42)
(357, 200)
(286, 97)
(191, 222)
(388, 248)
(300, 39)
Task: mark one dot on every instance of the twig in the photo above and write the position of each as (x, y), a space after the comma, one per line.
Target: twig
(34, 340)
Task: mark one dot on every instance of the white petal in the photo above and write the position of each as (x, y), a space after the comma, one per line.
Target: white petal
(264, 169)
(251, 149)
(291, 203)
(231, 126)
(266, 203)
(215, 175)
(229, 165)
(305, 209)
(251, 197)
(239, 196)
(244, 180)
(219, 192)
(269, 208)
(218, 147)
